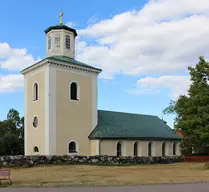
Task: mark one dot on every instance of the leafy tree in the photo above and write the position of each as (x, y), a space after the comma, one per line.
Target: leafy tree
(192, 111)
(12, 134)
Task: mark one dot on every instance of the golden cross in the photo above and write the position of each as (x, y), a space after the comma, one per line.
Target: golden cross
(61, 15)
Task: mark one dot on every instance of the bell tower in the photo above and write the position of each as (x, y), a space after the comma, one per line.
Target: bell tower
(60, 98)
(60, 40)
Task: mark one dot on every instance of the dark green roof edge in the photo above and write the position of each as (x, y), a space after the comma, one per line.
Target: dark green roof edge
(127, 113)
(135, 138)
(72, 61)
(56, 27)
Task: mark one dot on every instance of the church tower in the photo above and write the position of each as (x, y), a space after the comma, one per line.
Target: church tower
(60, 98)
(60, 40)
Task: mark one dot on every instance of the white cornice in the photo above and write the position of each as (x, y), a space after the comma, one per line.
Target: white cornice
(35, 67)
(60, 65)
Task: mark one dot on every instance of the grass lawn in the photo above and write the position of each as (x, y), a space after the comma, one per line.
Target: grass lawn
(67, 175)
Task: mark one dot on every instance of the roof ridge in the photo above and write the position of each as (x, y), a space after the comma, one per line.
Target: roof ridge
(128, 113)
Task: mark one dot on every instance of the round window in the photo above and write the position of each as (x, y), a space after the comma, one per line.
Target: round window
(35, 122)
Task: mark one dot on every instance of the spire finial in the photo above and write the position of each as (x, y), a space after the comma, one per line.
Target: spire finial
(61, 17)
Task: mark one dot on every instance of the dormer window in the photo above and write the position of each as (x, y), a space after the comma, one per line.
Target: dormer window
(57, 41)
(67, 42)
(49, 42)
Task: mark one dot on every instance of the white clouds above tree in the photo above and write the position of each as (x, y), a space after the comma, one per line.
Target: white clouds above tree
(10, 83)
(162, 39)
(15, 59)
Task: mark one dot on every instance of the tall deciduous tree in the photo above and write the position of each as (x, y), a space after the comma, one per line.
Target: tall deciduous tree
(12, 134)
(192, 111)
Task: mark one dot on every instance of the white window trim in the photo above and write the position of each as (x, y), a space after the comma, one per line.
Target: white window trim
(33, 120)
(33, 92)
(76, 145)
(166, 148)
(57, 35)
(78, 91)
(49, 38)
(123, 149)
(138, 148)
(66, 42)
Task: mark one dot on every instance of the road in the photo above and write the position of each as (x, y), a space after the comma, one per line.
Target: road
(197, 187)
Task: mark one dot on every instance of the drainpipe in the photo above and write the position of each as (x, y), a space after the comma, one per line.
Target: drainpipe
(100, 147)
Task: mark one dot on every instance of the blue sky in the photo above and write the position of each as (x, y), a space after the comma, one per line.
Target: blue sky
(143, 47)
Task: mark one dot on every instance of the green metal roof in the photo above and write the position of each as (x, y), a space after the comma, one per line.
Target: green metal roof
(60, 26)
(118, 125)
(71, 61)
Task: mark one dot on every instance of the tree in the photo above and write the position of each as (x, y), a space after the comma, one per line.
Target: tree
(12, 134)
(192, 111)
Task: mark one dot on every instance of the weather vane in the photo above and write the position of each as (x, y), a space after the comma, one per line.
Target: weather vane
(61, 17)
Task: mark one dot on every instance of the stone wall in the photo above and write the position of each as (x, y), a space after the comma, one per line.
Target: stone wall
(30, 161)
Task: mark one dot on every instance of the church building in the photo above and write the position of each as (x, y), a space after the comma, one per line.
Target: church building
(62, 116)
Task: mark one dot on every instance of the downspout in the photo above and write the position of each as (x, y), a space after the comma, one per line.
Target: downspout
(100, 147)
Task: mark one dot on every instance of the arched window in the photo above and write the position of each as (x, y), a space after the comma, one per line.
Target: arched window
(49, 42)
(73, 91)
(67, 42)
(163, 148)
(136, 149)
(35, 92)
(174, 148)
(72, 147)
(35, 149)
(57, 41)
(150, 149)
(35, 122)
(119, 149)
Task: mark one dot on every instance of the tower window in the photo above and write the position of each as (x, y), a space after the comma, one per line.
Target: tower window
(67, 42)
(72, 147)
(49, 42)
(57, 41)
(35, 91)
(74, 91)
(35, 122)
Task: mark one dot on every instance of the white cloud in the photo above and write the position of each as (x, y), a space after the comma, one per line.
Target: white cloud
(15, 59)
(11, 83)
(93, 19)
(71, 24)
(162, 38)
(106, 76)
(178, 85)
